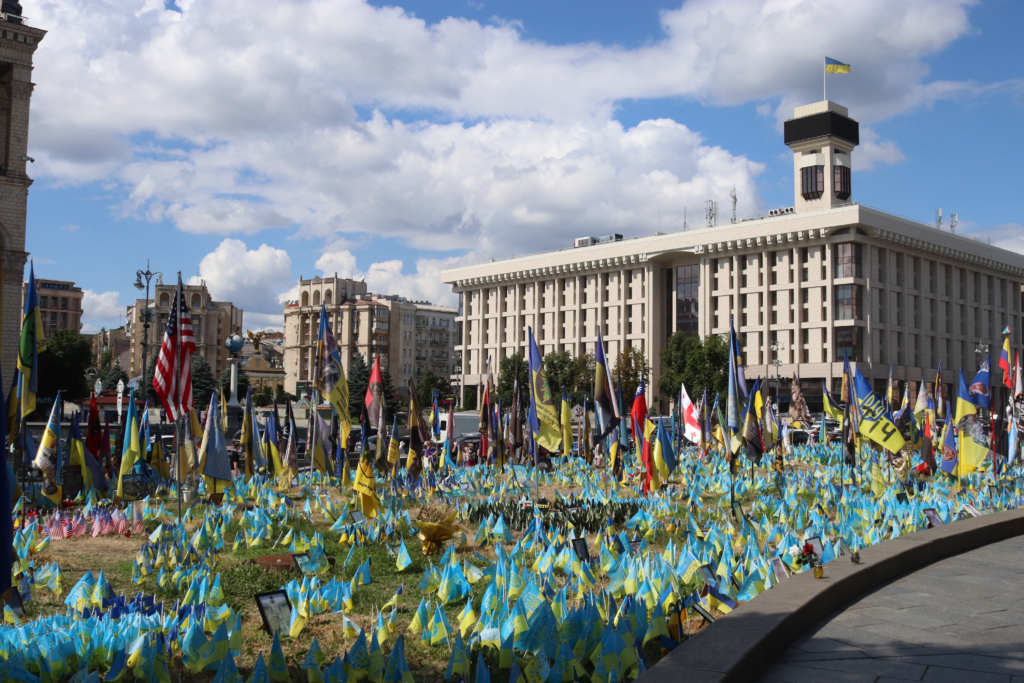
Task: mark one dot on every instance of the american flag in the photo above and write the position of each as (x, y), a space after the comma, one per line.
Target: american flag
(79, 526)
(175, 391)
(121, 523)
(57, 528)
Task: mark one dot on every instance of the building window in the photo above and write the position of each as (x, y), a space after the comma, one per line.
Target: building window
(842, 182)
(848, 302)
(687, 288)
(812, 182)
(849, 342)
(848, 260)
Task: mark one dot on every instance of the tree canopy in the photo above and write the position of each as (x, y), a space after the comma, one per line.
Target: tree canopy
(62, 366)
(630, 367)
(509, 369)
(698, 363)
(428, 383)
(115, 374)
(202, 382)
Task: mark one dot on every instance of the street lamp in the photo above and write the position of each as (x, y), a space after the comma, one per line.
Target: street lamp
(148, 275)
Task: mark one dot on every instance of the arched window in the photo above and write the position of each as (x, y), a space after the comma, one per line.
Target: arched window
(316, 298)
(305, 298)
(327, 297)
(197, 301)
(165, 299)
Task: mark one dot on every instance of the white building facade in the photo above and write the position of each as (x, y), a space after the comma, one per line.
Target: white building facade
(821, 279)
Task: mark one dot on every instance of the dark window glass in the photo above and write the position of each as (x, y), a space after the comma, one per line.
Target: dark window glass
(848, 260)
(687, 288)
(848, 302)
(849, 342)
(812, 182)
(842, 182)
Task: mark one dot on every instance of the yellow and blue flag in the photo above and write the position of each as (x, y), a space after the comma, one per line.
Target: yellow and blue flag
(544, 421)
(331, 382)
(973, 443)
(605, 405)
(836, 67)
(874, 423)
(732, 407)
(132, 451)
(29, 348)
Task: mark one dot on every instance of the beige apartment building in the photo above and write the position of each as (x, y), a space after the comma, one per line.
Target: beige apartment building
(60, 304)
(114, 341)
(824, 278)
(410, 337)
(212, 322)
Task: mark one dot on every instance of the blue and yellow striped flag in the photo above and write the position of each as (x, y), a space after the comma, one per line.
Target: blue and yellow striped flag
(29, 348)
(834, 67)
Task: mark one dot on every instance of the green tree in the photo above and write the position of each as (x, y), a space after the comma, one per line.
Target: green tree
(114, 375)
(561, 369)
(243, 383)
(469, 399)
(358, 379)
(391, 403)
(281, 396)
(698, 363)
(62, 366)
(202, 382)
(511, 368)
(630, 367)
(428, 383)
(106, 360)
(263, 397)
(583, 378)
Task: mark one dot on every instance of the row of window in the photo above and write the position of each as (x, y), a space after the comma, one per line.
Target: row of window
(812, 182)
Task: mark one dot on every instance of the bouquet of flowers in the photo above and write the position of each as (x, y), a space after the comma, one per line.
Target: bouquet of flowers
(804, 555)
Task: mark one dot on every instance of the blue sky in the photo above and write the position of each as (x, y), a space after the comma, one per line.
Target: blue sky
(392, 141)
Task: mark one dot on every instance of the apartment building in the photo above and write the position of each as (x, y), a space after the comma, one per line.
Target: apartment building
(212, 322)
(805, 285)
(408, 336)
(60, 304)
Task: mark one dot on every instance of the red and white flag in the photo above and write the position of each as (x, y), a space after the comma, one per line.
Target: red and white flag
(172, 379)
(691, 423)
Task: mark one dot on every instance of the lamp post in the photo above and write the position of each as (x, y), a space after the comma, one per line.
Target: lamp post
(146, 313)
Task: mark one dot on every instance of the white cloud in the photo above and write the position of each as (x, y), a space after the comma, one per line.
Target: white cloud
(71, 227)
(233, 117)
(388, 277)
(873, 151)
(251, 279)
(101, 309)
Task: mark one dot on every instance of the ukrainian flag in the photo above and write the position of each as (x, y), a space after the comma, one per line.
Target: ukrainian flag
(972, 452)
(132, 451)
(29, 348)
(834, 67)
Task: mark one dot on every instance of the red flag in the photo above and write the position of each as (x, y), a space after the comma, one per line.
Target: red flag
(94, 437)
(374, 399)
(172, 378)
(639, 412)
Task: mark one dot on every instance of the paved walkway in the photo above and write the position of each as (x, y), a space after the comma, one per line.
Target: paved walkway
(960, 620)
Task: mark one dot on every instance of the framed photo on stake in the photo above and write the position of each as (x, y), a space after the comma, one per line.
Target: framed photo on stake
(275, 610)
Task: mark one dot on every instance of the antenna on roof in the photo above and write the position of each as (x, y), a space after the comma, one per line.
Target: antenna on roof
(685, 226)
(711, 212)
(952, 222)
(733, 195)
(938, 219)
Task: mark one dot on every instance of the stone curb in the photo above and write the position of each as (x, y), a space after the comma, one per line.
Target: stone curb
(740, 646)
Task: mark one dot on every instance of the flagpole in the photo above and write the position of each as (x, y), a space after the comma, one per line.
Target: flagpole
(175, 403)
(824, 82)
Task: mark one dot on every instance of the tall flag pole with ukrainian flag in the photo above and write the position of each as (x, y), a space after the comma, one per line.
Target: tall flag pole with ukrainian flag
(832, 67)
(29, 348)
(332, 383)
